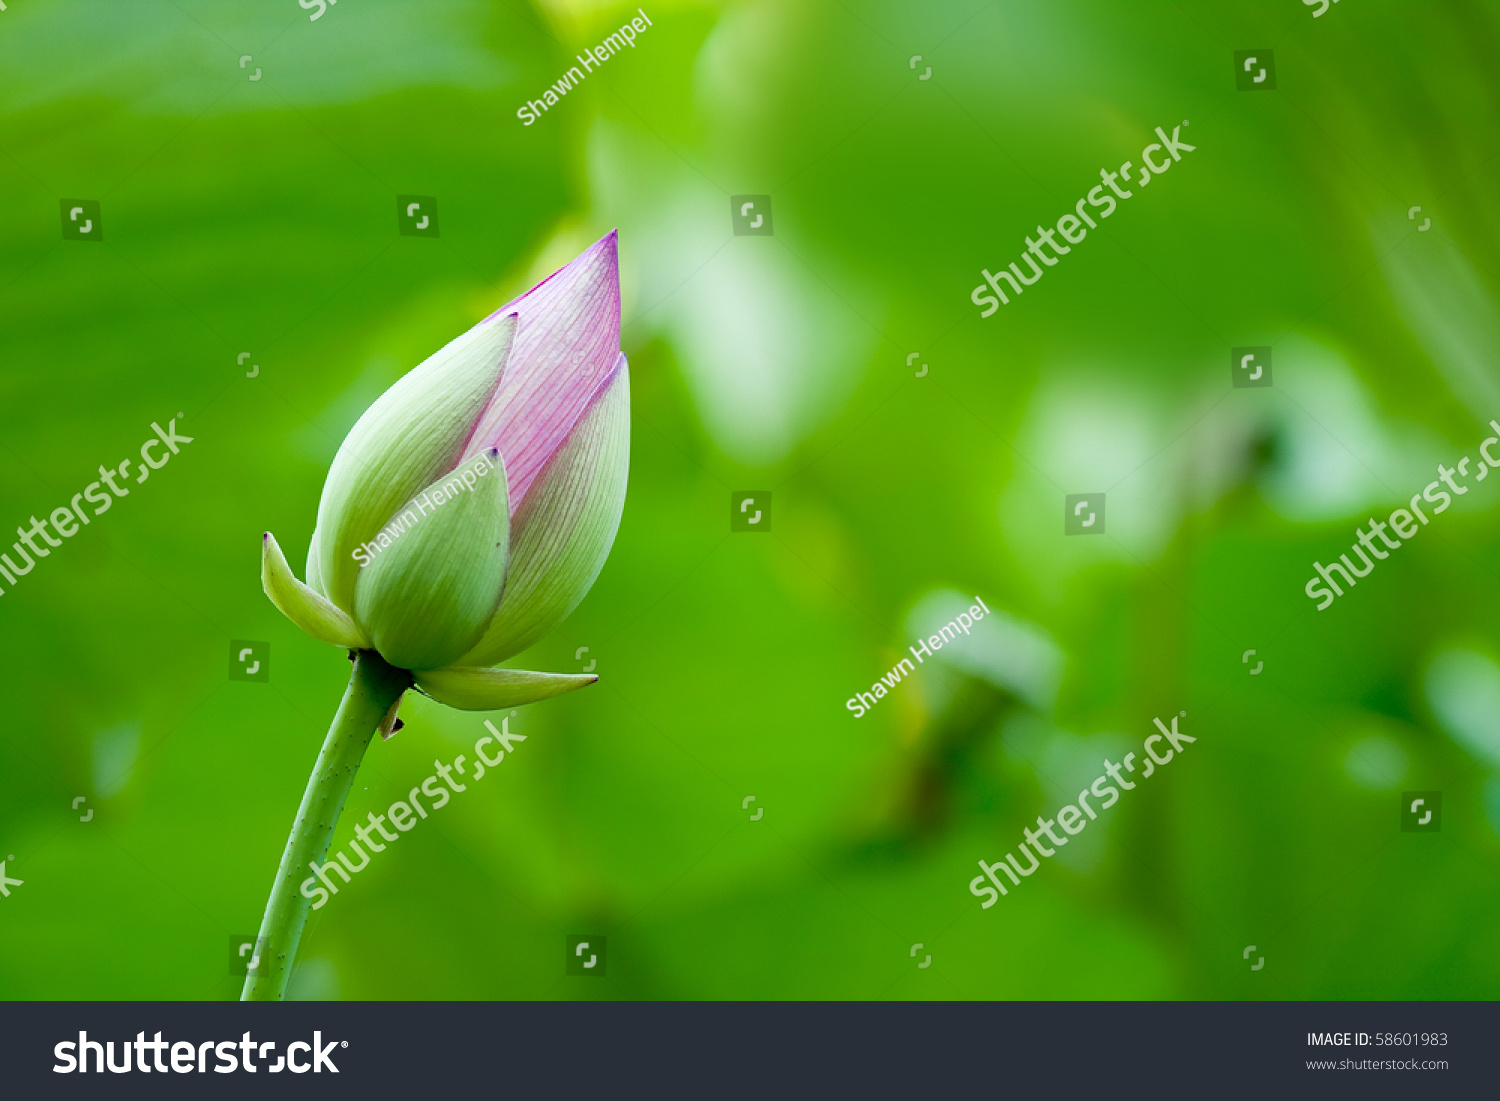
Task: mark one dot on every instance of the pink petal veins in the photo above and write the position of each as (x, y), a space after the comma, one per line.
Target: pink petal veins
(567, 348)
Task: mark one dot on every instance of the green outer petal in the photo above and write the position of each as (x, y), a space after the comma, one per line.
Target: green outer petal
(314, 567)
(427, 597)
(491, 689)
(415, 431)
(565, 528)
(305, 607)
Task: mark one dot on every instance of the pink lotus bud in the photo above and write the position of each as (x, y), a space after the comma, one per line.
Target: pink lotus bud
(471, 507)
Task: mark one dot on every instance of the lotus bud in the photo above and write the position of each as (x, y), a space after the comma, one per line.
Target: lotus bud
(472, 506)
(467, 512)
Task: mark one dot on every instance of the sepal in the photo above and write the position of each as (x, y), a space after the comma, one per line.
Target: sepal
(470, 689)
(308, 609)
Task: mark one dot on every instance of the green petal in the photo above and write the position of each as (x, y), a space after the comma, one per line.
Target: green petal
(491, 689)
(435, 572)
(414, 432)
(314, 566)
(565, 528)
(308, 609)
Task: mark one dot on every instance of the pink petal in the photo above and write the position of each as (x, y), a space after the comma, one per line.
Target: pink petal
(566, 350)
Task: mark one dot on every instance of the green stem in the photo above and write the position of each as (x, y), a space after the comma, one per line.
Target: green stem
(373, 687)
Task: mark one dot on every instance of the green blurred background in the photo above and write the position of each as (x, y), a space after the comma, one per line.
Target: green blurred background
(257, 216)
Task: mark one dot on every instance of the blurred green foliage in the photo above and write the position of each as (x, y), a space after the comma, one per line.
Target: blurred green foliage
(258, 216)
